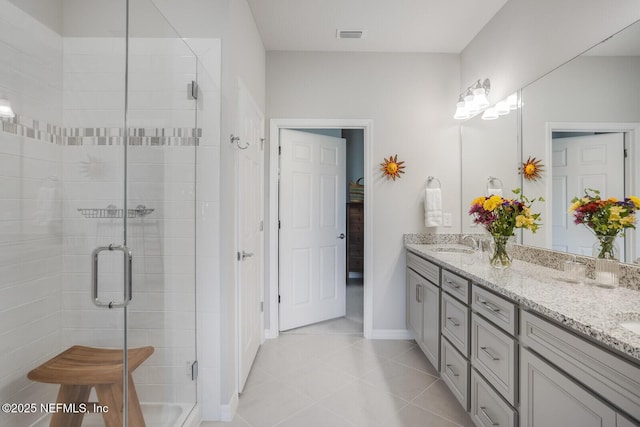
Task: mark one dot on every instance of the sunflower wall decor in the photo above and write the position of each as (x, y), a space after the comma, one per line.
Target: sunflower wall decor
(392, 168)
(531, 169)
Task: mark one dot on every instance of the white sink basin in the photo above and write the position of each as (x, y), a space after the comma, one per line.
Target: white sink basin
(632, 325)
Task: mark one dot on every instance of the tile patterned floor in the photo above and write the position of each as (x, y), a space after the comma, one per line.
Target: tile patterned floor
(335, 380)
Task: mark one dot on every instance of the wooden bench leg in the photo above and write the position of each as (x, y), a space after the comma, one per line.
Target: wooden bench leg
(70, 394)
(110, 395)
(135, 412)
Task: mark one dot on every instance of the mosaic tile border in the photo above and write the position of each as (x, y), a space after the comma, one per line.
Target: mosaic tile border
(35, 129)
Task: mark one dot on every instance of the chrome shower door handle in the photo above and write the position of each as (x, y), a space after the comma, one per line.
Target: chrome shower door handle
(341, 236)
(128, 263)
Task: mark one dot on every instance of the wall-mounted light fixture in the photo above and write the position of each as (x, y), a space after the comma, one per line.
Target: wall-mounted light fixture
(473, 100)
(5, 109)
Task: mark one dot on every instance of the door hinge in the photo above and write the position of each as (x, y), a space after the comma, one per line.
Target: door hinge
(194, 370)
(280, 150)
(278, 299)
(261, 144)
(261, 225)
(279, 225)
(194, 89)
(626, 153)
(261, 306)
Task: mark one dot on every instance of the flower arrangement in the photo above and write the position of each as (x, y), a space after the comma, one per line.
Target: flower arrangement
(606, 218)
(500, 216)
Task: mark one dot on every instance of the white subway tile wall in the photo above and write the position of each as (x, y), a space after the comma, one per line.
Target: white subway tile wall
(30, 208)
(64, 152)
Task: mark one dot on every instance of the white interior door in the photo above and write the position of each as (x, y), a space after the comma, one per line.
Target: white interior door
(250, 226)
(312, 252)
(579, 163)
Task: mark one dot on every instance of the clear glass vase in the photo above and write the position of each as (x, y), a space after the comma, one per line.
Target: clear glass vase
(498, 252)
(607, 266)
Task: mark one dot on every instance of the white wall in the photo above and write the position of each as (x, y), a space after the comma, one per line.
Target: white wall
(528, 38)
(404, 95)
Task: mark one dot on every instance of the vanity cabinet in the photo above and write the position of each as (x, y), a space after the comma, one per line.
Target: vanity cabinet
(509, 365)
(423, 306)
(606, 376)
(551, 398)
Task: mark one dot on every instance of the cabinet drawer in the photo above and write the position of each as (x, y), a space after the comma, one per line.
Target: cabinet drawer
(427, 269)
(611, 377)
(455, 285)
(498, 310)
(455, 373)
(493, 354)
(487, 408)
(455, 323)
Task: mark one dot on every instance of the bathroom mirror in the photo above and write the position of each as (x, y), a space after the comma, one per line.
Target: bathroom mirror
(490, 156)
(591, 101)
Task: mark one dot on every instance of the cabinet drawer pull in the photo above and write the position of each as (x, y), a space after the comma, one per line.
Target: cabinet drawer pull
(484, 412)
(484, 349)
(489, 306)
(453, 284)
(419, 293)
(453, 321)
(450, 369)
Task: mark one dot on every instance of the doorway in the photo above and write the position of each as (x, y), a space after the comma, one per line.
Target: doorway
(274, 275)
(586, 136)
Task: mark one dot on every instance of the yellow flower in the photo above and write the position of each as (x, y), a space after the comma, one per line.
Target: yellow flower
(627, 220)
(575, 205)
(492, 203)
(614, 213)
(635, 200)
(524, 221)
(478, 201)
(612, 199)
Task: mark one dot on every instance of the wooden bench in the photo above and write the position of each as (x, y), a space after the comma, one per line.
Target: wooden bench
(78, 369)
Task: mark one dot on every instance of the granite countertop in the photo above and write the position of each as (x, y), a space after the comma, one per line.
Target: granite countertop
(585, 308)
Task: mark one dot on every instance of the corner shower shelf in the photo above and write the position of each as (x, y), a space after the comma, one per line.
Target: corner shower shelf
(112, 212)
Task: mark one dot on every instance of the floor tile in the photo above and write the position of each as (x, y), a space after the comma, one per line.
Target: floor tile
(316, 416)
(412, 416)
(400, 380)
(271, 403)
(439, 400)
(363, 404)
(416, 359)
(386, 348)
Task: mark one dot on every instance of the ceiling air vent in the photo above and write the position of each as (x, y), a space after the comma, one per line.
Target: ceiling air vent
(350, 34)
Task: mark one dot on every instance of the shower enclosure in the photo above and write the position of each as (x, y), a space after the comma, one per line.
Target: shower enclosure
(99, 159)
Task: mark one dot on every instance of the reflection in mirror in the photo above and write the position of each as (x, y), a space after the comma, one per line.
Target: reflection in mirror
(489, 161)
(583, 120)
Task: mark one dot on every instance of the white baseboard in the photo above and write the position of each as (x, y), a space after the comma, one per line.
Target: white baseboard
(391, 334)
(229, 410)
(270, 334)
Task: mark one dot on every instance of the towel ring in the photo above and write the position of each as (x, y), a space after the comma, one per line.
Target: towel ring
(430, 179)
(491, 184)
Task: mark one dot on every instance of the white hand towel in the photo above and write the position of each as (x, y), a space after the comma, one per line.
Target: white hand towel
(494, 192)
(433, 207)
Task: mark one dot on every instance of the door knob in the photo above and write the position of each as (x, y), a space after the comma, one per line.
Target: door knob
(242, 255)
(341, 236)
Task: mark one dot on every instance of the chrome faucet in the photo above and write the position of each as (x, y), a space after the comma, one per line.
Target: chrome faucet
(476, 243)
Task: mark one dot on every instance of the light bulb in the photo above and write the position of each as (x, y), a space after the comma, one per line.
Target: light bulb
(461, 111)
(490, 114)
(470, 105)
(512, 101)
(480, 98)
(5, 109)
(502, 108)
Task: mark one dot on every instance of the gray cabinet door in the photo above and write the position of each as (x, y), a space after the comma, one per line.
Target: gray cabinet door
(431, 323)
(548, 398)
(414, 304)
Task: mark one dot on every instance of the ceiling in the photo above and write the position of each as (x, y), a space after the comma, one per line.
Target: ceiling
(438, 26)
